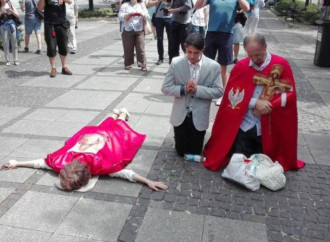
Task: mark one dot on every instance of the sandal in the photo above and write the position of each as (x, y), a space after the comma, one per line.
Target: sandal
(128, 68)
(144, 68)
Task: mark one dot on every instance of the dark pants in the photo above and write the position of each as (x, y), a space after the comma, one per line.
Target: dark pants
(60, 39)
(160, 24)
(247, 143)
(179, 33)
(188, 140)
(219, 43)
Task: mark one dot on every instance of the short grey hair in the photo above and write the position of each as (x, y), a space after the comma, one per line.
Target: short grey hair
(258, 38)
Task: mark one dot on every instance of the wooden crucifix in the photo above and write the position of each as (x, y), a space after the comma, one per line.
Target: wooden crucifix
(271, 82)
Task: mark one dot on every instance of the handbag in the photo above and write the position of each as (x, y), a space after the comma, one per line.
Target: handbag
(39, 13)
(241, 172)
(147, 27)
(269, 173)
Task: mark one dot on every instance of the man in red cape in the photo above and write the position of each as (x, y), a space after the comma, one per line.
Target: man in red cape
(276, 119)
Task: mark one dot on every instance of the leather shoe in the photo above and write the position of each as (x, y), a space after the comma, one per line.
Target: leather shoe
(159, 62)
(53, 72)
(66, 71)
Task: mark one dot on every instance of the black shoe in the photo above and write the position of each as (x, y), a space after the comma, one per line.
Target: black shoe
(38, 52)
(159, 62)
(235, 61)
(72, 52)
(26, 49)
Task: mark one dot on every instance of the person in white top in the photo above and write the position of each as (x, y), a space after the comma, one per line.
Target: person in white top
(72, 17)
(133, 13)
(76, 174)
(200, 19)
(253, 17)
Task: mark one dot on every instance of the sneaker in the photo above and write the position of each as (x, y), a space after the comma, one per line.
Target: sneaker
(66, 71)
(38, 52)
(159, 62)
(53, 72)
(26, 49)
(16, 63)
(124, 110)
(8, 63)
(116, 111)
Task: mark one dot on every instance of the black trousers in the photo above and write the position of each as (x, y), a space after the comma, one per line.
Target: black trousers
(247, 143)
(60, 39)
(179, 33)
(188, 140)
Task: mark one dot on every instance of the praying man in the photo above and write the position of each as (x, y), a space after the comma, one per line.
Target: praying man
(258, 112)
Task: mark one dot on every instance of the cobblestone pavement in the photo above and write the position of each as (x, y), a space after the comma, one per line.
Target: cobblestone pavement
(38, 114)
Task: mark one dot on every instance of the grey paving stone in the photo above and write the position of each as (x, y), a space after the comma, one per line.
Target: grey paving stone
(80, 69)
(149, 85)
(61, 81)
(156, 130)
(11, 234)
(37, 148)
(84, 99)
(62, 129)
(222, 229)
(162, 225)
(39, 210)
(105, 220)
(33, 127)
(305, 154)
(68, 238)
(8, 144)
(49, 179)
(4, 193)
(93, 59)
(9, 113)
(107, 83)
(135, 102)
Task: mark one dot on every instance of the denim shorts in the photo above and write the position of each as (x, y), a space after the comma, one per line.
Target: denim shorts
(220, 43)
(32, 24)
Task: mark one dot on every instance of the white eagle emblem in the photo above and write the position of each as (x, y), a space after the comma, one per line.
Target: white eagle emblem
(235, 98)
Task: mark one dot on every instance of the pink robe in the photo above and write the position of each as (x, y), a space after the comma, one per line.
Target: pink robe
(106, 148)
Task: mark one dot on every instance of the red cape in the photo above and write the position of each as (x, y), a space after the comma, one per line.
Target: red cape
(106, 148)
(279, 128)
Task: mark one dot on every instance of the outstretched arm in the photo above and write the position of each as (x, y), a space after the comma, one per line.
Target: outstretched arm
(133, 177)
(37, 164)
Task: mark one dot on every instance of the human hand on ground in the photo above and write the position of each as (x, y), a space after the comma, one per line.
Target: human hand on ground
(156, 185)
(12, 164)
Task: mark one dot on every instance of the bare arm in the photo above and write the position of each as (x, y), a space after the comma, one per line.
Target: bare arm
(41, 5)
(199, 4)
(37, 164)
(152, 3)
(133, 177)
(154, 185)
(244, 5)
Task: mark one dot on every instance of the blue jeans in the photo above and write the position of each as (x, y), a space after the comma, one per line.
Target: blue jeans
(160, 24)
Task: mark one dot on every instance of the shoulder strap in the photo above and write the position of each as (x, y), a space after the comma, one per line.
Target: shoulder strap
(158, 7)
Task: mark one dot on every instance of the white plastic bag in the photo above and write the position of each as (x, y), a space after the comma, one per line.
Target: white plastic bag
(269, 173)
(237, 170)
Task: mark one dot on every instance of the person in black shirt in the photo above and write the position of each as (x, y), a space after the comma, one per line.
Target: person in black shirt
(56, 32)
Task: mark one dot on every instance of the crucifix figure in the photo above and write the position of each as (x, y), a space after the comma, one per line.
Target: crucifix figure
(271, 82)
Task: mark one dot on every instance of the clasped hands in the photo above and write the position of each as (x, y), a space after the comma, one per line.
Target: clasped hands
(262, 107)
(191, 87)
